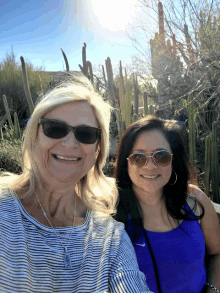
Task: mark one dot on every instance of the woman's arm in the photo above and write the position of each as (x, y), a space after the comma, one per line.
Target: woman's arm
(124, 272)
(211, 230)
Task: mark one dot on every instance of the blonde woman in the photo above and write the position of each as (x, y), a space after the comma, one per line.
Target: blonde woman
(56, 232)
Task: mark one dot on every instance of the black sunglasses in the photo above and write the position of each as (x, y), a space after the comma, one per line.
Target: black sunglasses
(58, 129)
(160, 158)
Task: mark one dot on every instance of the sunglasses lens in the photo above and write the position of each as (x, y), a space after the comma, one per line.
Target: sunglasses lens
(138, 159)
(162, 158)
(54, 129)
(86, 134)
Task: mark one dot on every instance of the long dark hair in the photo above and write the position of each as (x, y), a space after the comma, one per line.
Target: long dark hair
(174, 195)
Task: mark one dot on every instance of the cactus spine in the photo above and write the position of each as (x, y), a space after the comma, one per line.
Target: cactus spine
(26, 86)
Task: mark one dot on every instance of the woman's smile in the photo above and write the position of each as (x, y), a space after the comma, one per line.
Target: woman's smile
(66, 159)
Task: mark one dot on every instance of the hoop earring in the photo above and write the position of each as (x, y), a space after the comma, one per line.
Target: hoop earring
(175, 179)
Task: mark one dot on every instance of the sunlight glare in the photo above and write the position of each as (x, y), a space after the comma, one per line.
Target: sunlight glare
(114, 14)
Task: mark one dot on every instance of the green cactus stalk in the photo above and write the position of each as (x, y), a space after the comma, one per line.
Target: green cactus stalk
(89, 64)
(66, 61)
(109, 72)
(17, 130)
(136, 100)
(2, 137)
(8, 112)
(26, 86)
(119, 122)
(208, 140)
(121, 76)
(191, 123)
(135, 117)
(215, 164)
(145, 104)
(103, 72)
(129, 110)
(85, 68)
(151, 110)
(110, 82)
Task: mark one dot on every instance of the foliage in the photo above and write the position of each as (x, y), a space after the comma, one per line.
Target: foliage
(11, 84)
(10, 155)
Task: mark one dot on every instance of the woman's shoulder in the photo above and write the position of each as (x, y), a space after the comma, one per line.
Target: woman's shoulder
(197, 194)
(106, 224)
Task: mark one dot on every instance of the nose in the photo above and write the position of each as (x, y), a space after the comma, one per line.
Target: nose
(150, 164)
(70, 141)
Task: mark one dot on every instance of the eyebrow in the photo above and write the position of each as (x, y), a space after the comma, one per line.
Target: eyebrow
(144, 150)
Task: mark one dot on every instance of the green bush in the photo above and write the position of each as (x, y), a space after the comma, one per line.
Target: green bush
(11, 84)
(10, 152)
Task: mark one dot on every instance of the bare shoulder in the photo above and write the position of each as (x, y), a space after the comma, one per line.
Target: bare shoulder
(209, 222)
(201, 197)
(196, 192)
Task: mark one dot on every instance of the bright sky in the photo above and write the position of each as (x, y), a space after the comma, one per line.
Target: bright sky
(37, 29)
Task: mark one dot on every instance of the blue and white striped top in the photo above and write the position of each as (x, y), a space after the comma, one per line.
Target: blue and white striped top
(31, 256)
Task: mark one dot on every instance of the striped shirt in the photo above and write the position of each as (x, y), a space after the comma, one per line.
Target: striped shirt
(31, 256)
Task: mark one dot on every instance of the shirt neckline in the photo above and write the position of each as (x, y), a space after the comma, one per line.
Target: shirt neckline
(46, 228)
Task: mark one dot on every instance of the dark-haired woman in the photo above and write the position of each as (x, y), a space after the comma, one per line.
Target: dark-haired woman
(169, 221)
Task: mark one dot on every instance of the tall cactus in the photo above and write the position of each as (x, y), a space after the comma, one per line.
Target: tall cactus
(26, 86)
(191, 123)
(208, 142)
(8, 112)
(136, 100)
(17, 130)
(2, 137)
(87, 65)
(145, 104)
(90, 71)
(66, 61)
(215, 164)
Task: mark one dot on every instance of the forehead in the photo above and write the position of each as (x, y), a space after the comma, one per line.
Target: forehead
(74, 113)
(150, 141)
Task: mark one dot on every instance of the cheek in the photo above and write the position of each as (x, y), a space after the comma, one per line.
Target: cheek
(133, 173)
(90, 154)
(167, 172)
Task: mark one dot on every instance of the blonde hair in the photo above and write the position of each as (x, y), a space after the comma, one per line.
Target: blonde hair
(76, 88)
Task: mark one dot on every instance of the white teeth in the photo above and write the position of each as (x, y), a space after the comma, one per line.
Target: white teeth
(66, 159)
(150, 177)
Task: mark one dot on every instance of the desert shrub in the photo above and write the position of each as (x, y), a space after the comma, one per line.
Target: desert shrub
(11, 84)
(10, 154)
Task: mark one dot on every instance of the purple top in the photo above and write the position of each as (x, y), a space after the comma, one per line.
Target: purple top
(179, 256)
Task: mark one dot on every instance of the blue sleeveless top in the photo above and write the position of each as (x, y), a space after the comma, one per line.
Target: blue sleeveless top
(179, 256)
